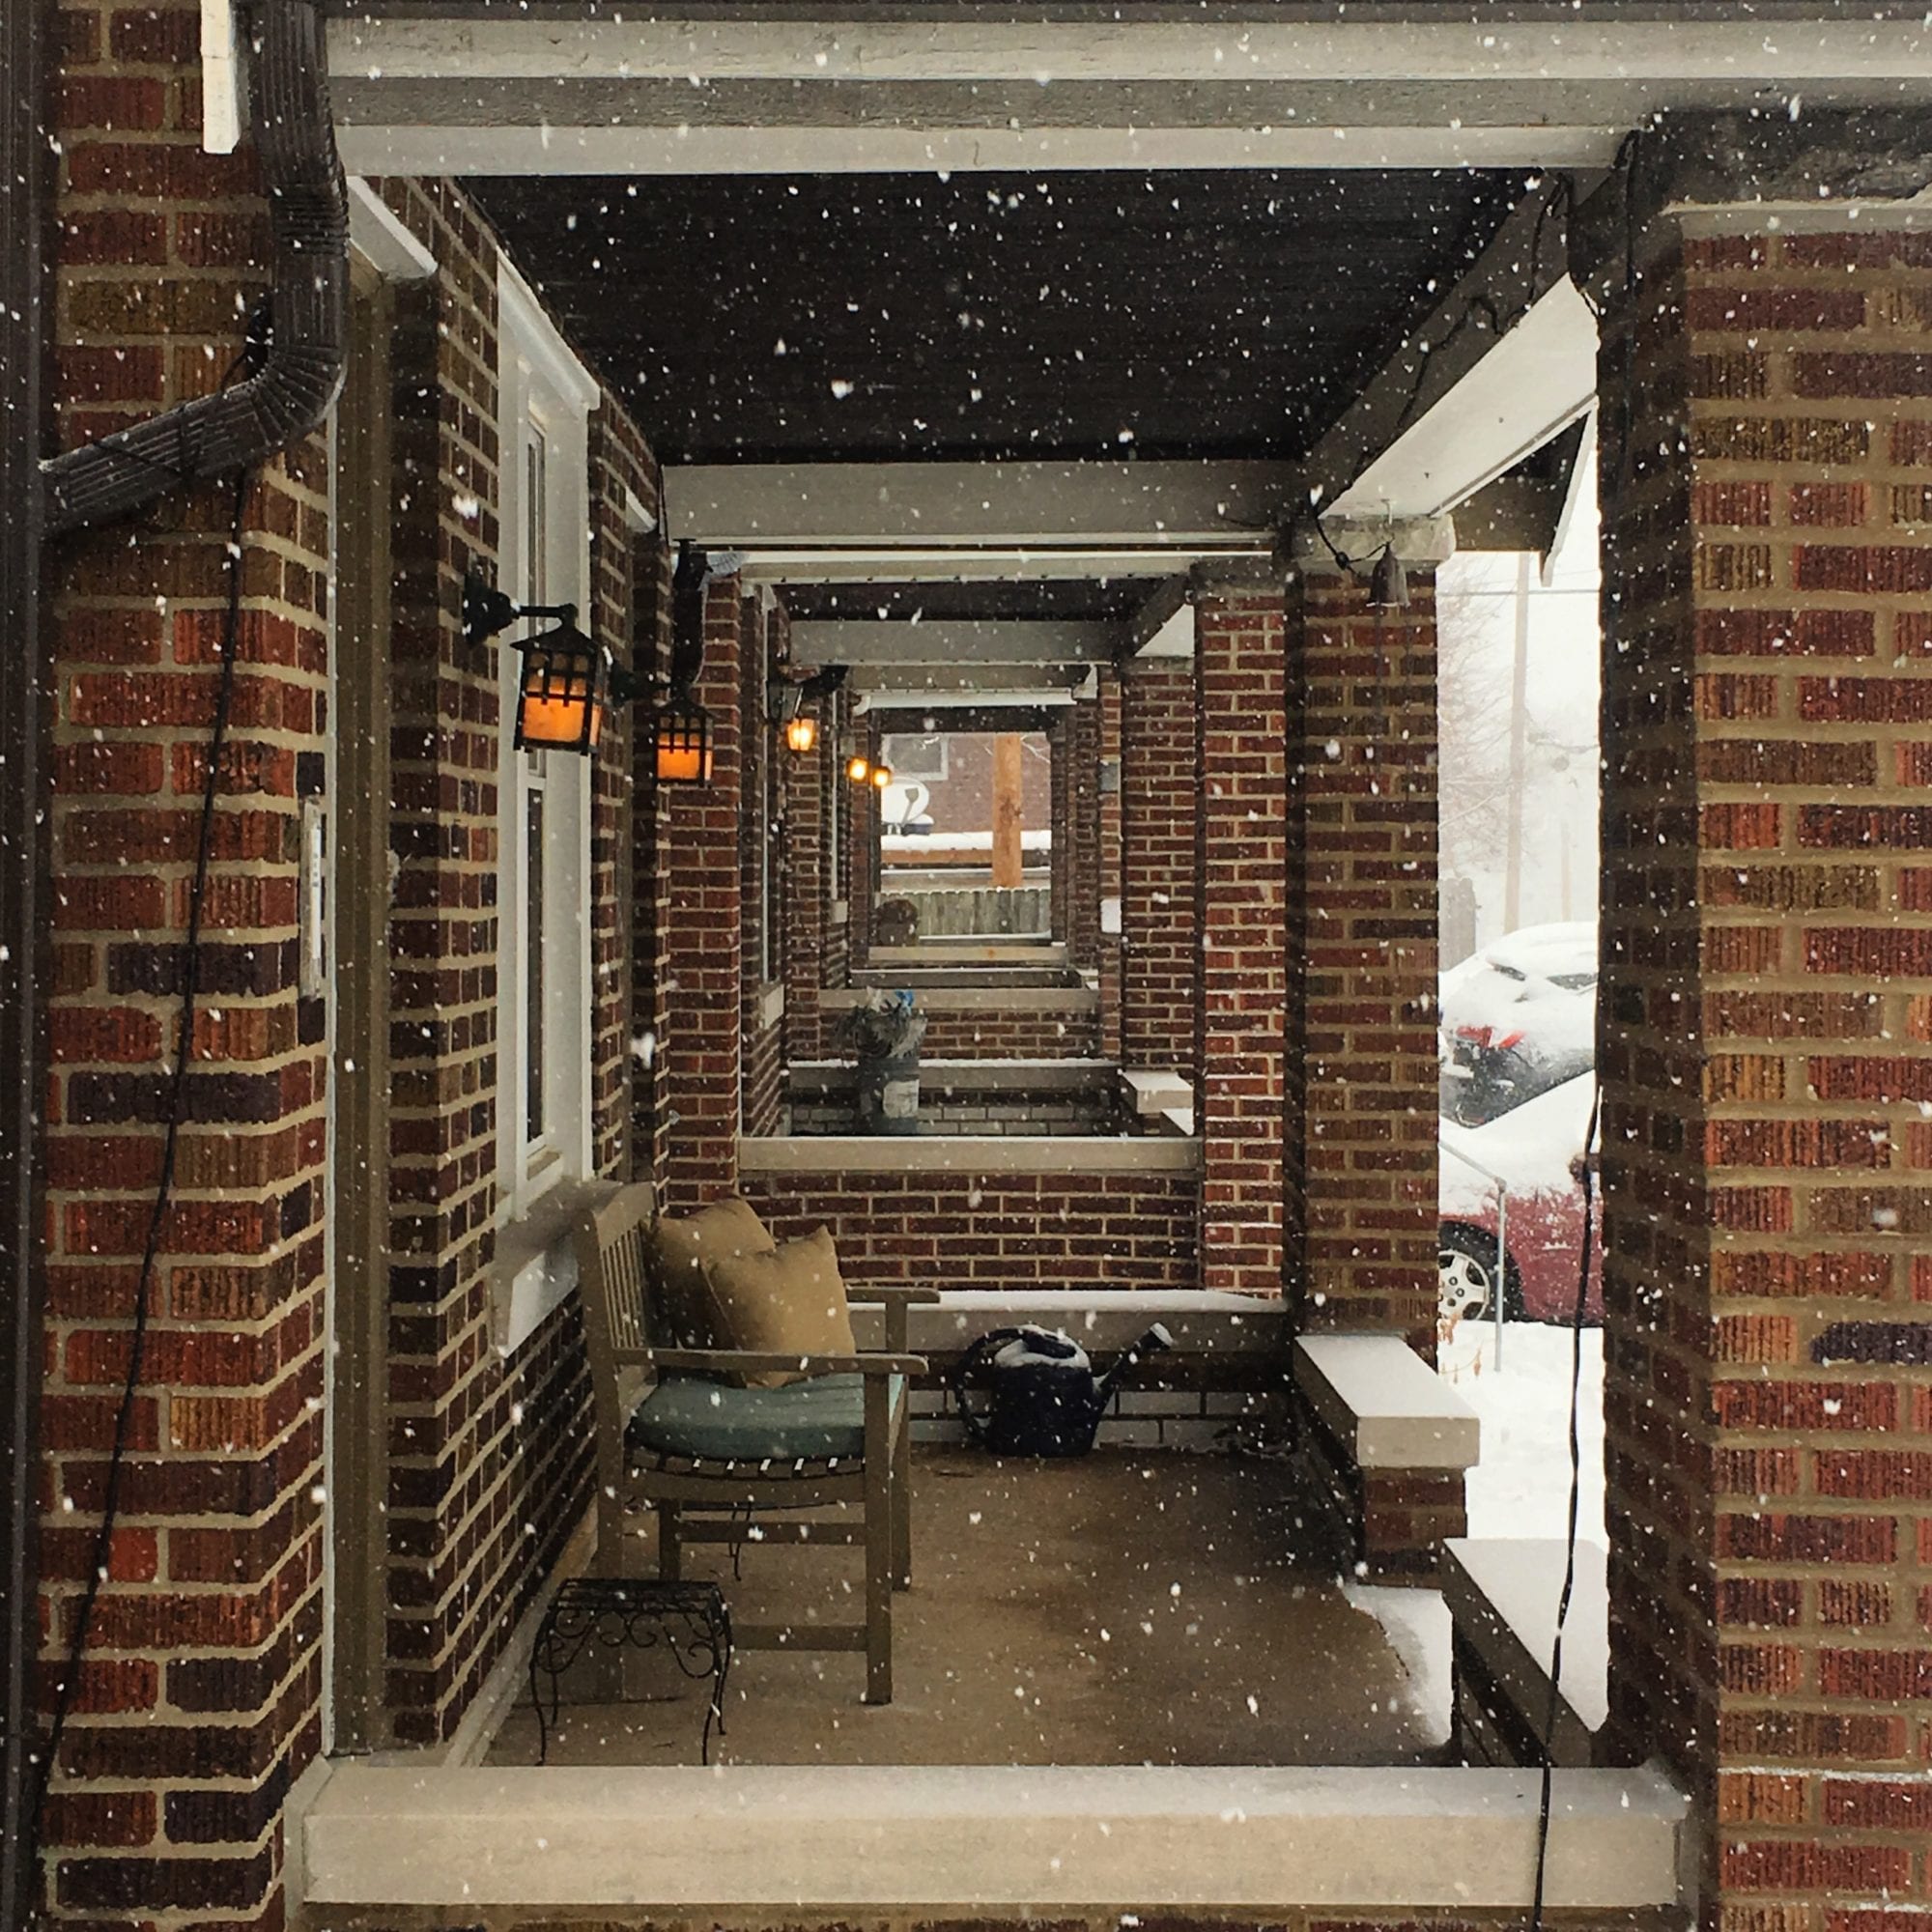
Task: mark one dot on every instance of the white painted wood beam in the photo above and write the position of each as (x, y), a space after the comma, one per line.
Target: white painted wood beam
(917, 681)
(739, 91)
(1016, 563)
(1504, 361)
(928, 640)
(1185, 506)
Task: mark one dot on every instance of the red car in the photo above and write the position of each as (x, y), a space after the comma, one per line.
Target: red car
(1516, 1168)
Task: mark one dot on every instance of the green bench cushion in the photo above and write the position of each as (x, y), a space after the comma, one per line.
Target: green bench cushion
(809, 1421)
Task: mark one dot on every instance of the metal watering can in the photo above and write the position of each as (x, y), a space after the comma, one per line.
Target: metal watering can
(1043, 1396)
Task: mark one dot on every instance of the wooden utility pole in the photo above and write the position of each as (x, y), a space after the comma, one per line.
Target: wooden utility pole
(1009, 807)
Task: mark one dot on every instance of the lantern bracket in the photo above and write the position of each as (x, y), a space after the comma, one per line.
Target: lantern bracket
(786, 697)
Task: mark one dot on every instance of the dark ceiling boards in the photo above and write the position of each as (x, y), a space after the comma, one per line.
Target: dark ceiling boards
(762, 318)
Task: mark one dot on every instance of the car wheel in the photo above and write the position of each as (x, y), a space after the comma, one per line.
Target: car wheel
(1465, 1280)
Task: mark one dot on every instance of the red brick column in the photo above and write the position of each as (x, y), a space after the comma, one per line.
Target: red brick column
(1360, 1188)
(1107, 812)
(703, 944)
(1083, 824)
(809, 780)
(172, 1765)
(1060, 816)
(1157, 862)
(1767, 1058)
(1240, 758)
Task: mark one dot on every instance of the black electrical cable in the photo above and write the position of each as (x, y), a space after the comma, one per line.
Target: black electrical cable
(1577, 1321)
(176, 1116)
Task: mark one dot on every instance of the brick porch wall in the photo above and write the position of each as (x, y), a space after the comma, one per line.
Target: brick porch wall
(1360, 1179)
(1107, 838)
(650, 880)
(994, 1230)
(760, 808)
(1157, 862)
(704, 946)
(1240, 989)
(1083, 826)
(1768, 984)
(199, 1696)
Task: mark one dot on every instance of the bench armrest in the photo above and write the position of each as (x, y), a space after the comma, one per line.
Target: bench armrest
(753, 1362)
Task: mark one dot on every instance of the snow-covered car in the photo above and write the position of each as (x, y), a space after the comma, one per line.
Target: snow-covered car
(1517, 1018)
(1532, 1149)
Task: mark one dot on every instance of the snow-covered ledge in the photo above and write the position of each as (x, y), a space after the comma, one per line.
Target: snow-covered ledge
(1384, 1404)
(819, 1839)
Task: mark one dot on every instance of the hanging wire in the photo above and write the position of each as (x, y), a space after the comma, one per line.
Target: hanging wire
(103, 1554)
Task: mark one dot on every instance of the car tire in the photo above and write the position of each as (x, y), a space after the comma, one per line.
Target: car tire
(1465, 1265)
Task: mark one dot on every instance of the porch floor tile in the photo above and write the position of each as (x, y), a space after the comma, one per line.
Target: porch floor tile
(1129, 1607)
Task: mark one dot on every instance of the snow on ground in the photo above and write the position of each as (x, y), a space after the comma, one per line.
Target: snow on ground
(1521, 1486)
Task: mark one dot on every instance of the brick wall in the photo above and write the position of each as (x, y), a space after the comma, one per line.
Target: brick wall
(761, 817)
(808, 794)
(210, 1629)
(1240, 996)
(993, 1231)
(199, 1696)
(1157, 860)
(650, 881)
(1083, 826)
(1011, 1034)
(704, 945)
(1768, 982)
(1360, 1186)
(1107, 840)
(1060, 815)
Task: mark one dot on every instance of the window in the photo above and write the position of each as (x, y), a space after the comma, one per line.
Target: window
(916, 755)
(543, 1114)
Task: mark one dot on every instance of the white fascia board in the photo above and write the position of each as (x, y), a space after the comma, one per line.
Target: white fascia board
(389, 144)
(1017, 565)
(523, 320)
(1534, 382)
(382, 239)
(882, 505)
(954, 640)
(224, 110)
(1028, 700)
(828, 46)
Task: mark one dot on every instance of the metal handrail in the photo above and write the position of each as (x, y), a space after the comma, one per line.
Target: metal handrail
(1502, 1236)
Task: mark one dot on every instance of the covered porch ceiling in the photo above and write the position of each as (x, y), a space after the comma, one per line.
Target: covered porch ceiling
(940, 311)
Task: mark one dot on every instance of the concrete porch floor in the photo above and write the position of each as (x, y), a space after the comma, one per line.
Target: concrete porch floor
(1131, 1607)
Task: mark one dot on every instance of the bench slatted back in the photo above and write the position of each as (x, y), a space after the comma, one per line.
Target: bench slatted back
(613, 1281)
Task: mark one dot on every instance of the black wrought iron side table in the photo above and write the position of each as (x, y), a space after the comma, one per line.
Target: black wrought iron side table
(690, 1620)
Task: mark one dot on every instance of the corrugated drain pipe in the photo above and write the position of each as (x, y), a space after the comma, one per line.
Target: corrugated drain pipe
(301, 370)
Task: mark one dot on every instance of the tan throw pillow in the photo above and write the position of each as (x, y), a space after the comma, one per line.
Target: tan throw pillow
(680, 1250)
(789, 1302)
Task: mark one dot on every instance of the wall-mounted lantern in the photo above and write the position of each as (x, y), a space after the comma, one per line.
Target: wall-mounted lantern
(882, 775)
(858, 768)
(786, 702)
(567, 682)
(680, 726)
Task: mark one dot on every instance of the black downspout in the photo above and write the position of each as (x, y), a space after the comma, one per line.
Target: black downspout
(301, 369)
(25, 217)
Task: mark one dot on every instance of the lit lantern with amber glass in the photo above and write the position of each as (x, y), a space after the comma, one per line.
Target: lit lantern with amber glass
(801, 734)
(563, 693)
(858, 770)
(882, 775)
(681, 738)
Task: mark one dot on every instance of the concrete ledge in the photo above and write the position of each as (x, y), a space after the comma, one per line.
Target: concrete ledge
(1503, 1595)
(963, 1155)
(976, 999)
(1156, 1090)
(811, 1840)
(971, 952)
(968, 1076)
(1383, 1403)
(1200, 1320)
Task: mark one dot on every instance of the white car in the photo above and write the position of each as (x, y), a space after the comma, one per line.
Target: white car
(1517, 1017)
